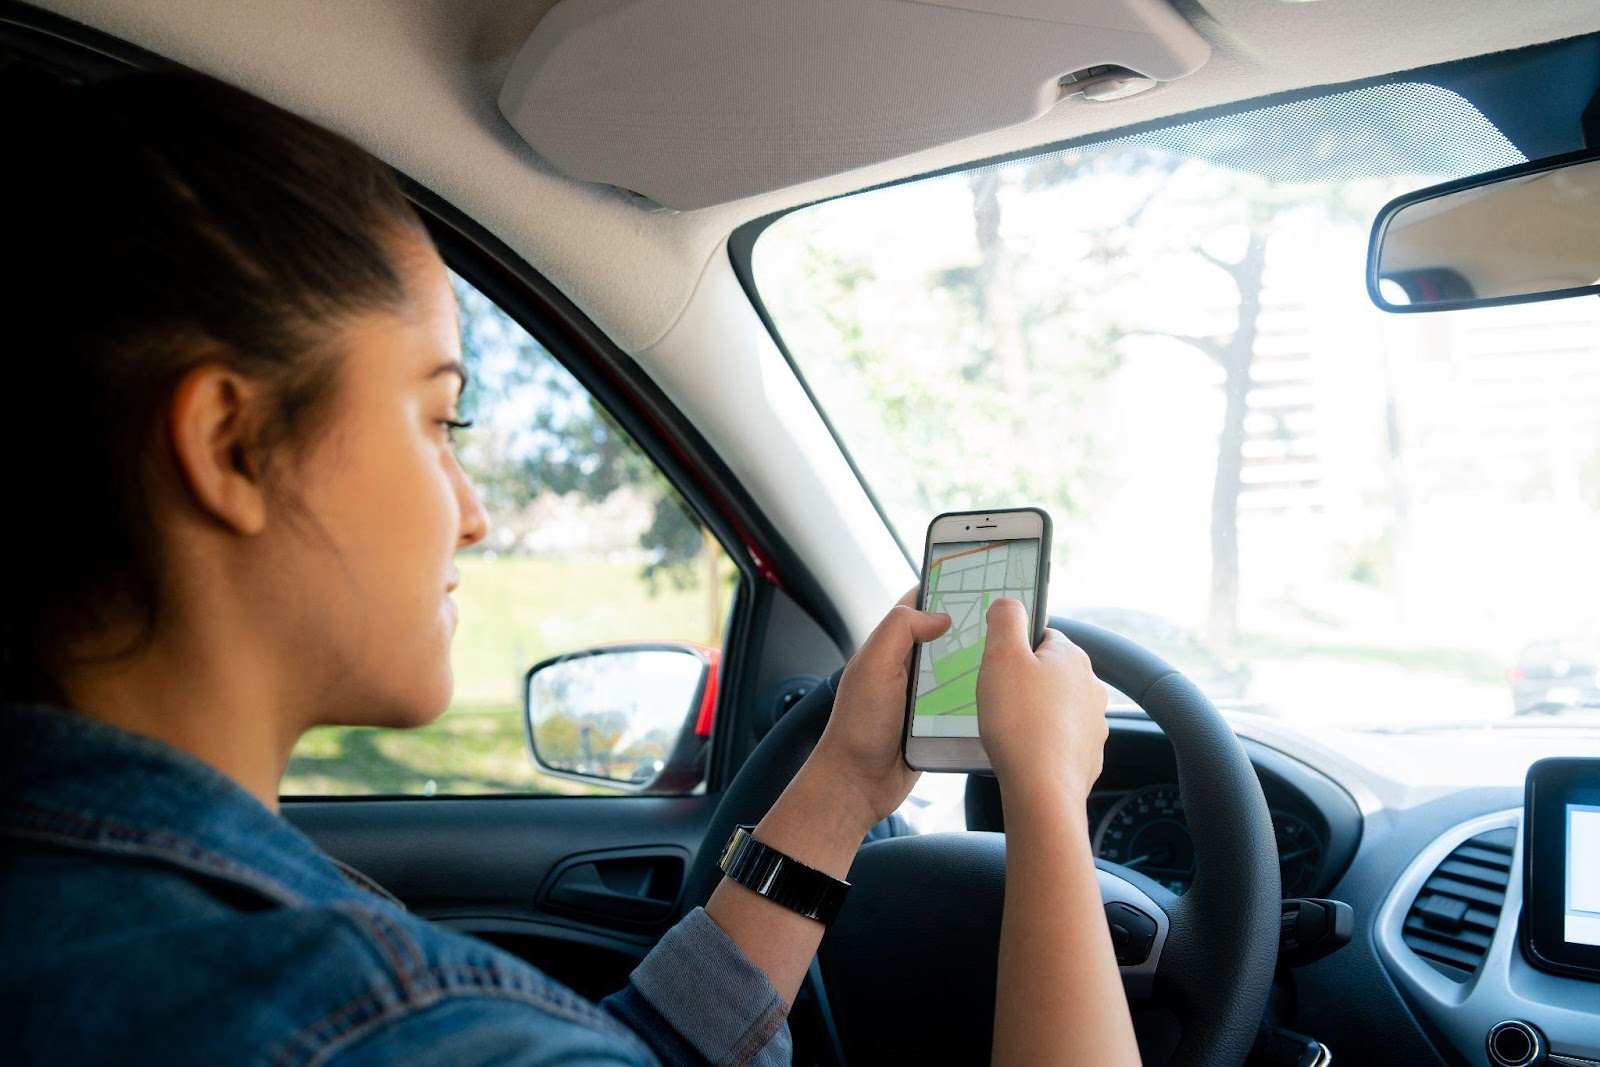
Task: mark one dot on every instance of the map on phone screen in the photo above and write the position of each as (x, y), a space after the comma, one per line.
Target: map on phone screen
(964, 578)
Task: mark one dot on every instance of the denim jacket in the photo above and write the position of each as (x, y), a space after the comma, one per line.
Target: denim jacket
(152, 911)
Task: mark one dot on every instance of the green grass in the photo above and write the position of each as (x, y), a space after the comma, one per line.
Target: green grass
(469, 750)
(514, 613)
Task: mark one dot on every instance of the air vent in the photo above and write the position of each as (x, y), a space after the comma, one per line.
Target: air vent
(1453, 919)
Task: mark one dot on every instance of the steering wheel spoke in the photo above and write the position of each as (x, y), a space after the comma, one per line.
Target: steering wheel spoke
(1137, 913)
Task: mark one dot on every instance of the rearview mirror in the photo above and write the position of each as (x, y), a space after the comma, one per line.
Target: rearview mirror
(1525, 233)
(633, 716)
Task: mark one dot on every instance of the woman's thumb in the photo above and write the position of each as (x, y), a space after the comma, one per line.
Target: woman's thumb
(1008, 627)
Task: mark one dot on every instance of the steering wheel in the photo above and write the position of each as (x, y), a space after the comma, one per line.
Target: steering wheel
(909, 965)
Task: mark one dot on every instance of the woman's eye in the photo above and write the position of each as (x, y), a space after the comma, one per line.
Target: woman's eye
(452, 426)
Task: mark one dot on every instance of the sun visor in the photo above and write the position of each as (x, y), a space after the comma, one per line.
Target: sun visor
(699, 102)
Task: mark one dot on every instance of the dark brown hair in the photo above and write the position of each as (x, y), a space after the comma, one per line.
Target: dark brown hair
(157, 222)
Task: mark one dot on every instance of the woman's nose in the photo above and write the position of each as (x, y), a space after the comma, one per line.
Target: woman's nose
(474, 520)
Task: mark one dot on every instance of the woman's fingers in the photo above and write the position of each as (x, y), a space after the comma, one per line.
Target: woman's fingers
(889, 645)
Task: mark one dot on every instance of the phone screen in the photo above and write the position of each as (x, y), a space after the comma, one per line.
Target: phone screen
(964, 578)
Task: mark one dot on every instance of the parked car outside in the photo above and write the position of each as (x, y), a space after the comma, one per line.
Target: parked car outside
(1556, 675)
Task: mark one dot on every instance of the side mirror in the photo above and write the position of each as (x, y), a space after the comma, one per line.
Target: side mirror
(1525, 233)
(632, 716)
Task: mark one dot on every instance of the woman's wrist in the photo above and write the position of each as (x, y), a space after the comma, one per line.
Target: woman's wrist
(814, 824)
(1043, 799)
(817, 821)
(862, 796)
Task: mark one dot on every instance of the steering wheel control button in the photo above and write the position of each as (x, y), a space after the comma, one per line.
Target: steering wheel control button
(1310, 929)
(1132, 933)
(1514, 1043)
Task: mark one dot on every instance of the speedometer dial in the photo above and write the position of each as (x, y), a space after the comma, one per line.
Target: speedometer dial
(1145, 831)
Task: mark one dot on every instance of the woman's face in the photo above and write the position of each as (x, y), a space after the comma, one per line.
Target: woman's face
(388, 507)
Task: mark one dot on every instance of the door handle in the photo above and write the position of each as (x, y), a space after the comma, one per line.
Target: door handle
(632, 886)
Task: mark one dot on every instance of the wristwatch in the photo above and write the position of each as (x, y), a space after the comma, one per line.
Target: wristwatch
(781, 879)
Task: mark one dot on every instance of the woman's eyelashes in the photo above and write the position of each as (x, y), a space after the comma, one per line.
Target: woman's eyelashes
(454, 426)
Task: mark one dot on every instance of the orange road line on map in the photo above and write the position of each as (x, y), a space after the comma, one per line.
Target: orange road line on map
(968, 552)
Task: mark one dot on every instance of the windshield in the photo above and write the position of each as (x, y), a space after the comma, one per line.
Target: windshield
(1316, 510)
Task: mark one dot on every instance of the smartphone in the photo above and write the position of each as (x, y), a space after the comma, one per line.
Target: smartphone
(970, 559)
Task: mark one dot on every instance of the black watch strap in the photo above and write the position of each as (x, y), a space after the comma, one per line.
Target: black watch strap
(781, 879)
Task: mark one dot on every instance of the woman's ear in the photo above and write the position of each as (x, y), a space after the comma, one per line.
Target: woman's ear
(212, 421)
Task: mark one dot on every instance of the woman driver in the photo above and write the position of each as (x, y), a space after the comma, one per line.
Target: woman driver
(234, 373)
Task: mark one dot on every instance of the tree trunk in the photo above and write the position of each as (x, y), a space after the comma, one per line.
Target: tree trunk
(1400, 489)
(997, 299)
(1222, 622)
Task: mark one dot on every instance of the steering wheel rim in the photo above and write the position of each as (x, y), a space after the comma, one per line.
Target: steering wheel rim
(1213, 964)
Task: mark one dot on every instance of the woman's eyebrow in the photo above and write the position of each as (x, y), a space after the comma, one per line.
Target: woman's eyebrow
(456, 367)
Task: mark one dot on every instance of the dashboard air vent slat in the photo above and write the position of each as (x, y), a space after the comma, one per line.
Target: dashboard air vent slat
(1453, 919)
(1460, 889)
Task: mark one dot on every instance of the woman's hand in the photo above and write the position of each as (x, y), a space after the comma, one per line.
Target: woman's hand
(1041, 714)
(859, 752)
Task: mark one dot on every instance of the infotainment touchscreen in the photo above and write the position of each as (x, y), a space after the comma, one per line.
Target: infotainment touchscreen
(1582, 925)
(1561, 864)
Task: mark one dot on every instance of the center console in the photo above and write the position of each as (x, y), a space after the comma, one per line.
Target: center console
(1493, 932)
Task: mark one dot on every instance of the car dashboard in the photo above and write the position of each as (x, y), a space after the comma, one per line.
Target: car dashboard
(1136, 815)
(1434, 971)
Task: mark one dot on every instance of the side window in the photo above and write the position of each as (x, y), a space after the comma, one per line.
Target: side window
(589, 547)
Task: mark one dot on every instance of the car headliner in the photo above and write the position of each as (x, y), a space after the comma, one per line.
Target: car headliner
(415, 81)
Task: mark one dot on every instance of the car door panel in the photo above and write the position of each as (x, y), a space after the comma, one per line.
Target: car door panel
(581, 887)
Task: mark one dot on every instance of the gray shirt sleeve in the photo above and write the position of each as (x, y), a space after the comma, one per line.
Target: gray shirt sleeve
(697, 999)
